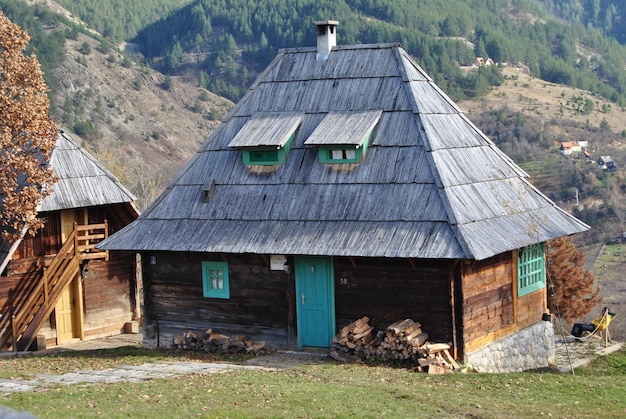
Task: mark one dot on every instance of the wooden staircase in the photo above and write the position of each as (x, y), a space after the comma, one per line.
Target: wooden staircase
(35, 307)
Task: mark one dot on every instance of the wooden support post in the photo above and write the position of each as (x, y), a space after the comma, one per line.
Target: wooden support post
(75, 240)
(453, 314)
(45, 286)
(13, 333)
(106, 235)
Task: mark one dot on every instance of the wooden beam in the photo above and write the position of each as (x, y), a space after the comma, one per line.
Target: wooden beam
(453, 311)
(489, 338)
(514, 262)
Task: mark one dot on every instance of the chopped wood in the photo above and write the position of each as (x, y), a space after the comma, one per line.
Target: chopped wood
(256, 347)
(451, 360)
(335, 355)
(436, 369)
(424, 362)
(403, 340)
(217, 343)
(436, 347)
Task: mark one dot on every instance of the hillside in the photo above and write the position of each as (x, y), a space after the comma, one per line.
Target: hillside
(139, 123)
(529, 118)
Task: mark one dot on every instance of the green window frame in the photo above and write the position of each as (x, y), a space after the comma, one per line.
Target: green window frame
(267, 156)
(531, 269)
(329, 155)
(215, 281)
(263, 157)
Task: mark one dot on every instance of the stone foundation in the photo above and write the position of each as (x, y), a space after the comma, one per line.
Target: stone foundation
(530, 348)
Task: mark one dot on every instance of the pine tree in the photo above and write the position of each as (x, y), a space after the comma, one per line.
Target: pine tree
(27, 134)
(572, 291)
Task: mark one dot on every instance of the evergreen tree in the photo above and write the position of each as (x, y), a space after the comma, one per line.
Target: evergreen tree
(572, 291)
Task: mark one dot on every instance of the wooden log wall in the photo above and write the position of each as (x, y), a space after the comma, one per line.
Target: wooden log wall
(47, 241)
(388, 290)
(531, 308)
(108, 292)
(117, 215)
(260, 305)
(488, 304)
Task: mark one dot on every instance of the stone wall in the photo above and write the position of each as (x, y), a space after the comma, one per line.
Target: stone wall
(529, 348)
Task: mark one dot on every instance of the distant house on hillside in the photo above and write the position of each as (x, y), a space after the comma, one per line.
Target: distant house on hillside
(569, 147)
(347, 184)
(57, 284)
(482, 61)
(606, 163)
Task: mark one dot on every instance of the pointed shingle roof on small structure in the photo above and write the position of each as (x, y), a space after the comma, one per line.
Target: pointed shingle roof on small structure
(432, 185)
(82, 182)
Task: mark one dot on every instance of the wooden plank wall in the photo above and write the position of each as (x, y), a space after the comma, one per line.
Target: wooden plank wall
(531, 308)
(46, 242)
(260, 303)
(488, 306)
(108, 292)
(387, 290)
(117, 215)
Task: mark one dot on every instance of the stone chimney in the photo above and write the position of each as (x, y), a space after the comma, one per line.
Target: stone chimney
(326, 37)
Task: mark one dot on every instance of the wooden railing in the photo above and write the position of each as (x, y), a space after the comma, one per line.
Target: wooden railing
(80, 245)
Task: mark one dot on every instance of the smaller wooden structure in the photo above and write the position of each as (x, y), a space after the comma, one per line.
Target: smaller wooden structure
(56, 286)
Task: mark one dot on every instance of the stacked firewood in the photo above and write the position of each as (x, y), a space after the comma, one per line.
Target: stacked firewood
(437, 359)
(217, 343)
(403, 340)
(352, 340)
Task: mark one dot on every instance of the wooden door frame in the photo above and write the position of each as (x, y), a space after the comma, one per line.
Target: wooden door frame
(79, 216)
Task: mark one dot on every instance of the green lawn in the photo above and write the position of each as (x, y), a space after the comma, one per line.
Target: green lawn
(334, 390)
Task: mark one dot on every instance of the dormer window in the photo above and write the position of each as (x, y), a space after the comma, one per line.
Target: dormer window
(266, 138)
(343, 137)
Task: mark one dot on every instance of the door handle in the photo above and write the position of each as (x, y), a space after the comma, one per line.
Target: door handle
(303, 298)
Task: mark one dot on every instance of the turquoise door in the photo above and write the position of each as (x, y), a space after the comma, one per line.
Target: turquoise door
(315, 301)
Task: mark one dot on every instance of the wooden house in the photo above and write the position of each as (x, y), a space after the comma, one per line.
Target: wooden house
(56, 286)
(347, 184)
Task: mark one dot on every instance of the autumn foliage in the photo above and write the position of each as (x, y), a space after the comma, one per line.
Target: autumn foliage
(27, 134)
(572, 291)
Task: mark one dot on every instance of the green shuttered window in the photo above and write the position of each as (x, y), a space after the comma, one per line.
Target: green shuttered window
(265, 156)
(215, 283)
(531, 269)
(340, 155)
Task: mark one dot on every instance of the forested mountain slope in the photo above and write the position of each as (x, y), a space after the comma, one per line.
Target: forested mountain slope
(144, 126)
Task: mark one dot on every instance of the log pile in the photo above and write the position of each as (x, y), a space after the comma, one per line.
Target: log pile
(437, 359)
(211, 342)
(403, 340)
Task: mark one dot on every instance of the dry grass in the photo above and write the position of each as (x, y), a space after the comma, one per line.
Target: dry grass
(535, 97)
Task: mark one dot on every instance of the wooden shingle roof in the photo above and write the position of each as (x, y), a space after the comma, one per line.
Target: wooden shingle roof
(432, 185)
(82, 180)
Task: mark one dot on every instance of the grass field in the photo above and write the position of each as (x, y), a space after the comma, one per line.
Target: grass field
(609, 270)
(329, 390)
